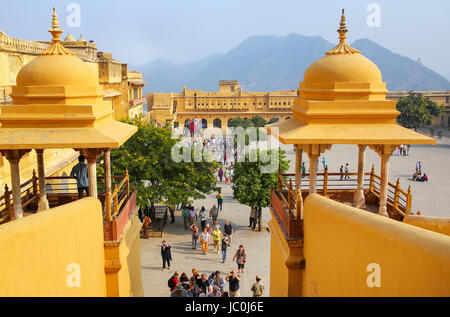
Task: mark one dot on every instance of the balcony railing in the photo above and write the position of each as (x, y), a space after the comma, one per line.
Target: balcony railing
(136, 101)
(286, 203)
(63, 189)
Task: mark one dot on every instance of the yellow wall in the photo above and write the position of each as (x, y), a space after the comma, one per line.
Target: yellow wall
(341, 241)
(285, 259)
(123, 263)
(36, 252)
(441, 225)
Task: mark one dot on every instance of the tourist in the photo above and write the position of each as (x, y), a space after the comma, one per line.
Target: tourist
(233, 282)
(146, 225)
(220, 174)
(218, 281)
(418, 168)
(346, 172)
(258, 287)
(405, 150)
(196, 275)
(185, 213)
(217, 236)
(194, 229)
(192, 128)
(226, 174)
(80, 173)
(184, 280)
(228, 231)
(172, 213)
(192, 216)
(213, 213)
(219, 201)
(203, 215)
(241, 258)
(341, 171)
(225, 294)
(193, 290)
(324, 162)
(224, 247)
(424, 178)
(215, 292)
(252, 218)
(179, 292)
(303, 169)
(208, 228)
(204, 239)
(204, 285)
(173, 281)
(166, 254)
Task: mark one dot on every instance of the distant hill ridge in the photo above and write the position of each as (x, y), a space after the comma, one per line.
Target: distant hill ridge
(268, 63)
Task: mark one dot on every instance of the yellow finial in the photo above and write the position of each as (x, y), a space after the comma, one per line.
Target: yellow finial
(343, 29)
(56, 48)
(55, 22)
(342, 47)
(55, 31)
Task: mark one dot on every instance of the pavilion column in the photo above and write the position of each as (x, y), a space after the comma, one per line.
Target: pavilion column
(360, 200)
(314, 151)
(298, 180)
(385, 152)
(91, 156)
(14, 156)
(43, 202)
(107, 167)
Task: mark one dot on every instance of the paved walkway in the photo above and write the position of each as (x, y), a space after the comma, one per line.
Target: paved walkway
(256, 244)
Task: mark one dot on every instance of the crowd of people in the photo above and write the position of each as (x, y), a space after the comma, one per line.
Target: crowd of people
(214, 285)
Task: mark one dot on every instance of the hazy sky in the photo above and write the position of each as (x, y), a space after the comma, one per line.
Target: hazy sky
(138, 31)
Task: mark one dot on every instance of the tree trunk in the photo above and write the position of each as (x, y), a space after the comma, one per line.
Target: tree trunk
(260, 218)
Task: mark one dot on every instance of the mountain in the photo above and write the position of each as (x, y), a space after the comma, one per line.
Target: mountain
(268, 63)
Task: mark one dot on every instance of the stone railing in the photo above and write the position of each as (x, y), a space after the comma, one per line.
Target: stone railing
(12, 44)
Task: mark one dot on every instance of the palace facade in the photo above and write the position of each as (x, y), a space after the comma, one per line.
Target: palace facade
(215, 109)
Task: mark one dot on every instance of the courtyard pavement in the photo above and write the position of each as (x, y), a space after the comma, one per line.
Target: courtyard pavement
(256, 244)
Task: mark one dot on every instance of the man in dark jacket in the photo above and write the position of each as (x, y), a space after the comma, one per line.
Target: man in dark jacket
(166, 254)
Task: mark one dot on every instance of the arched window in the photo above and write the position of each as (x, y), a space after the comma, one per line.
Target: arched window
(204, 123)
(217, 123)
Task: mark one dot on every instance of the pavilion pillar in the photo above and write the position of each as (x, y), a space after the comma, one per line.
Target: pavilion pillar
(107, 167)
(314, 151)
(298, 180)
(14, 156)
(43, 201)
(385, 152)
(360, 200)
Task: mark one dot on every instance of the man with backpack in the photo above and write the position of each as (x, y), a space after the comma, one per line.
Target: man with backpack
(173, 281)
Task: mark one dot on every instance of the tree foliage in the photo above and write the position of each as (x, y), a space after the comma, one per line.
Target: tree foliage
(251, 186)
(157, 178)
(416, 110)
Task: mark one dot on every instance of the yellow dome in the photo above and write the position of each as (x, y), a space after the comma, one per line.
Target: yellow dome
(343, 64)
(343, 68)
(56, 70)
(56, 66)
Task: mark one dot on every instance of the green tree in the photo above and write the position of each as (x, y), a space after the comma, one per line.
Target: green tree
(156, 177)
(251, 186)
(416, 110)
